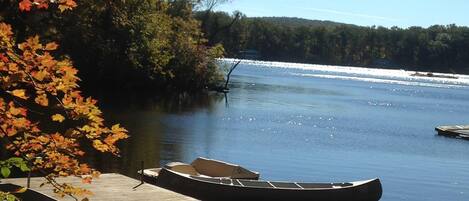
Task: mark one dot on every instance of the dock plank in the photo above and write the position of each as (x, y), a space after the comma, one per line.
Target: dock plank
(109, 187)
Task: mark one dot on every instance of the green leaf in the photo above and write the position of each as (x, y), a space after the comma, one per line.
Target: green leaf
(12, 198)
(5, 172)
(7, 196)
(24, 167)
(15, 160)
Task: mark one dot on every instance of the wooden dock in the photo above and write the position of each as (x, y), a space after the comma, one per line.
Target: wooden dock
(458, 131)
(109, 187)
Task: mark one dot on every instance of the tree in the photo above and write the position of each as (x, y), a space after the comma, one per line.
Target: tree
(127, 45)
(136, 45)
(205, 8)
(44, 120)
(209, 5)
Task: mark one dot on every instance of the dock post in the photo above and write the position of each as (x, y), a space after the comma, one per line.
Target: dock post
(28, 184)
(142, 166)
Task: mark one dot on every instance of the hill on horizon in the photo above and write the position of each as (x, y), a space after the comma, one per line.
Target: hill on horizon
(298, 22)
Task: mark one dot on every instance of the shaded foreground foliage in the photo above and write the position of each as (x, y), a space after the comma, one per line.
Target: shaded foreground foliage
(44, 120)
(128, 44)
(437, 48)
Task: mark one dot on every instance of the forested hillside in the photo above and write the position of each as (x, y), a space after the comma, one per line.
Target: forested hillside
(294, 22)
(126, 44)
(443, 48)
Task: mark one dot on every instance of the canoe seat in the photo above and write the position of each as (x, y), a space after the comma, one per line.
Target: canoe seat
(285, 185)
(324, 185)
(208, 179)
(315, 185)
(226, 181)
(251, 183)
(236, 182)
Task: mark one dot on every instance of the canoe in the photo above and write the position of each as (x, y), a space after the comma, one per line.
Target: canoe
(205, 187)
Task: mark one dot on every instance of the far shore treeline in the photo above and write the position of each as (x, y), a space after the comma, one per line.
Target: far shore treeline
(440, 48)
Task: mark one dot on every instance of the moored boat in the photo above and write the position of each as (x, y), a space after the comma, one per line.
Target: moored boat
(433, 75)
(457, 131)
(184, 179)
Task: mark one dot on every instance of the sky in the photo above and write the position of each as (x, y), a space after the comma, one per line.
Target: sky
(387, 13)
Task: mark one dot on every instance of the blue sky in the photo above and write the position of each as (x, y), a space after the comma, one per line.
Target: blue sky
(402, 13)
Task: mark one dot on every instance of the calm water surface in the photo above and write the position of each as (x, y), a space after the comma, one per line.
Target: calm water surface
(310, 125)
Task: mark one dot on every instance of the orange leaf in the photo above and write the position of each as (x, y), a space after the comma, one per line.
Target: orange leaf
(5, 29)
(51, 46)
(69, 70)
(13, 67)
(116, 128)
(80, 153)
(32, 43)
(98, 145)
(43, 139)
(25, 5)
(39, 75)
(3, 58)
(58, 117)
(20, 93)
(11, 132)
(84, 168)
(87, 180)
(47, 60)
(20, 190)
(95, 174)
(42, 100)
(21, 123)
(62, 8)
(15, 111)
(71, 3)
(41, 4)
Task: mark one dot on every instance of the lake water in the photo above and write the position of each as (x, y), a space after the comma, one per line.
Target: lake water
(311, 123)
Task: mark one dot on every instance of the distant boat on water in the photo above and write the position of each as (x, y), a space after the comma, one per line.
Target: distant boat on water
(429, 74)
(456, 131)
(208, 179)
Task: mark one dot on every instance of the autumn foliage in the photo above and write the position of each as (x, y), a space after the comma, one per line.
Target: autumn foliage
(44, 119)
(27, 5)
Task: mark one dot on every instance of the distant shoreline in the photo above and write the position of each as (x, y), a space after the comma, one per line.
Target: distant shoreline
(314, 66)
(382, 73)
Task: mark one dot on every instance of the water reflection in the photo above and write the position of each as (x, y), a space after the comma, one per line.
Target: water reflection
(149, 141)
(291, 127)
(281, 88)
